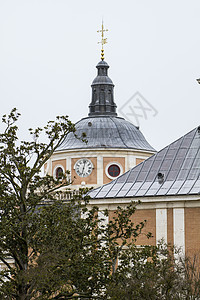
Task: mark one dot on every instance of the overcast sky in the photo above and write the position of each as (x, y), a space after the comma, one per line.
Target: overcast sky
(49, 50)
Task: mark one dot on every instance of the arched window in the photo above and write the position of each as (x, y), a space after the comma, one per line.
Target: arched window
(59, 173)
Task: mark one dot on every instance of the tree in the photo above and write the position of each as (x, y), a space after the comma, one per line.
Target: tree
(52, 249)
(47, 248)
(78, 254)
(21, 190)
(155, 272)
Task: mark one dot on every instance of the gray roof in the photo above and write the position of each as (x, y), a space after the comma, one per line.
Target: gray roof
(103, 128)
(106, 132)
(102, 80)
(175, 170)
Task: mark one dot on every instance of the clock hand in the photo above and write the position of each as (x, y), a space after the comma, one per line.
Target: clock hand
(83, 167)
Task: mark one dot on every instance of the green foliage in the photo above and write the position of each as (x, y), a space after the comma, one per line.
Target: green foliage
(52, 249)
(77, 252)
(21, 190)
(155, 272)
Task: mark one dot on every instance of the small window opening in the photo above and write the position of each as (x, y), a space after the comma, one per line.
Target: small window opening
(59, 173)
(160, 177)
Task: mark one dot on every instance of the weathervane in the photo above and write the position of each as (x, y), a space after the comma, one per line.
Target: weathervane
(103, 40)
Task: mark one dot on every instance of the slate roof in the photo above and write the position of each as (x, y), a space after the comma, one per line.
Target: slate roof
(106, 132)
(102, 127)
(178, 166)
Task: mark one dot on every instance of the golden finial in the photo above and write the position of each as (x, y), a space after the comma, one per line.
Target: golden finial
(103, 40)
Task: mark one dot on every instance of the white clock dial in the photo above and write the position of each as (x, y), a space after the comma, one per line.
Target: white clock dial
(83, 167)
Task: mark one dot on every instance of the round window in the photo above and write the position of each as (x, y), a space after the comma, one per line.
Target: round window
(59, 173)
(114, 170)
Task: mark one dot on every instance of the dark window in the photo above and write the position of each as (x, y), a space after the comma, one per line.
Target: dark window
(59, 173)
(114, 170)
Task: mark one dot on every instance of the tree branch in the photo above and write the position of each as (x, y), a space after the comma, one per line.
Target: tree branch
(5, 262)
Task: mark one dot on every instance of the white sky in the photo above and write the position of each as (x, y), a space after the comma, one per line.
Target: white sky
(49, 50)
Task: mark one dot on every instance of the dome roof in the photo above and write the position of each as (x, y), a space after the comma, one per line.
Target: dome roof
(102, 127)
(106, 132)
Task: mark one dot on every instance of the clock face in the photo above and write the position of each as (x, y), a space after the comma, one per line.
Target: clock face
(83, 167)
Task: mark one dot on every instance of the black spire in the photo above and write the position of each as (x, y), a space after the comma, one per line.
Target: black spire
(102, 103)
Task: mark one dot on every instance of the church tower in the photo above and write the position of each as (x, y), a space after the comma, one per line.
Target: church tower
(113, 146)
